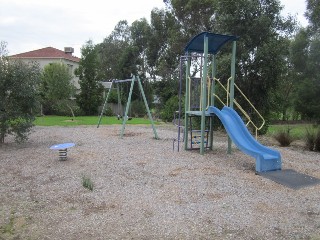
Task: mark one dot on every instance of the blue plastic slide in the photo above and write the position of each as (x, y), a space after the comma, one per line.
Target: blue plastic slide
(267, 159)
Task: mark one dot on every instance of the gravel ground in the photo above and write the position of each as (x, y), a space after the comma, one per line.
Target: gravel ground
(144, 190)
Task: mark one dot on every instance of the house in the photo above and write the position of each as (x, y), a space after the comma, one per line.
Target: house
(49, 55)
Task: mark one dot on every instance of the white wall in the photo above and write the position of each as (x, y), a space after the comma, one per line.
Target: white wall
(72, 65)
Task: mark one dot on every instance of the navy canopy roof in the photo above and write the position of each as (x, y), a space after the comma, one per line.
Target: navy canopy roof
(215, 42)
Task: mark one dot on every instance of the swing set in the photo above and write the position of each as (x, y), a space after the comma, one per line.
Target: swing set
(125, 118)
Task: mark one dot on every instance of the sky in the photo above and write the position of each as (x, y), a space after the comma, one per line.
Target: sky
(28, 25)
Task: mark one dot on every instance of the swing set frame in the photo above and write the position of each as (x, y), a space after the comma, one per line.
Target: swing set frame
(125, 117)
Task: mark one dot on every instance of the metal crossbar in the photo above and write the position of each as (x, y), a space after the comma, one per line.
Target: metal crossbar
(122, 81)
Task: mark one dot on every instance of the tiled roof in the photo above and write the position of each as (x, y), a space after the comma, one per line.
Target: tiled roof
(48, 52)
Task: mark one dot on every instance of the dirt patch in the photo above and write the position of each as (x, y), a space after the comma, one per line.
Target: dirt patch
(145, 190)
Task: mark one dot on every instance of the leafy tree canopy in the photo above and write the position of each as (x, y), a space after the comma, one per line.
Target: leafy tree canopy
(154, 50)
(313, 13)
(56, 87)
(18, 93)
(90, 96)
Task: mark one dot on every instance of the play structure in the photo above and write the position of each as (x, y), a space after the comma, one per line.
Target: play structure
(202, 101)
(115, 85)
(63, 149)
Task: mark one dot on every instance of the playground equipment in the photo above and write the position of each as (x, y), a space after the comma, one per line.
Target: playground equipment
(63, 149)
(109, 87)
(266, 159)
(201, 103)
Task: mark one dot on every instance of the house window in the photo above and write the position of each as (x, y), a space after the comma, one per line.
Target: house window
(70, 68)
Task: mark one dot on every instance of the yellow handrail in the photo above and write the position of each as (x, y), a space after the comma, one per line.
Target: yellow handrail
(239, 106)
(219, 99)
(228, 90)
(208, 91)
(249, 121)
(263, 121)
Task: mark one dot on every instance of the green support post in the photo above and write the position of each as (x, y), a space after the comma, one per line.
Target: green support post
(186, 104)
(104, 106)
(213, 90)
(204, 94)
(233, 66)
(119, 101)
(125, 117)
(147, 107)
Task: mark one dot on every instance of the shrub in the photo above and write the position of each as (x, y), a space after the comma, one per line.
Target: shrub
(170, 107)
(312, 139)
(63, 108)
(18, 98)
(109, 112)
(284, 137)
(87, 183)
(317, 141)
(138, 108)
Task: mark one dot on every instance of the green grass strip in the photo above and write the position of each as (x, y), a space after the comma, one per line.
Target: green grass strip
(297, 131)
(85, 120)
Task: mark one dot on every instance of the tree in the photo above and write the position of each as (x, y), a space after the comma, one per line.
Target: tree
(165, 47)
(122, 54)
(111, 49)
(18, 94)
(90, 96)
(140, 33)
(3, 49)
(56, 88)
(305, 56)
(193, 16)
(313, 14)
(306, 59)
(155, 50)
(262, 49)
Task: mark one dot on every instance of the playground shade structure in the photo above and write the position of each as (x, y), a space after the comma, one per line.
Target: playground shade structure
(267, 159)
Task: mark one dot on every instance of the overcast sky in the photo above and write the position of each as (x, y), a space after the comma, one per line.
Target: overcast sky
(32, 24)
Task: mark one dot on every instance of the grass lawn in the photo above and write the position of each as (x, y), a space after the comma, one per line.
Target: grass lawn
(85, 120)
(297, 131)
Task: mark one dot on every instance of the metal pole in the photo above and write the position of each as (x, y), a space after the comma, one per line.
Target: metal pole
(120, 112)
(204, 94)
(233, 66)
(180, 91)
(213, 89)
(104, 106)
(147, 107)
(186, 103)
(125, 117)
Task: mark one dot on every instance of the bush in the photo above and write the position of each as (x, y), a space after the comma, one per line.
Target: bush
(87, 183)
(138, 108)
(20, 129)
(108, 112)
(317, 141)
(18, 98)
(284, 137)
(170, 107)
(60, 109)
(312, 139)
